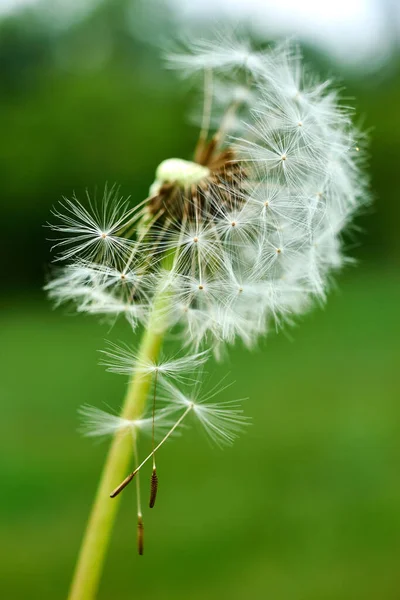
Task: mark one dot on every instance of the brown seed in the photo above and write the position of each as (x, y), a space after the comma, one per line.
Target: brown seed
(123, 485)
(140, 534)
(153, 489)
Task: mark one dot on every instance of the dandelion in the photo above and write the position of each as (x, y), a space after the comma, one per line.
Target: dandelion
(239, 239)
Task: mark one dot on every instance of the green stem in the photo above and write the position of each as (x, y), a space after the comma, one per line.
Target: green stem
(98, 531)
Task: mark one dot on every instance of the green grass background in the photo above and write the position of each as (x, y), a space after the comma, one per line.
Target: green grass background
(305, 505)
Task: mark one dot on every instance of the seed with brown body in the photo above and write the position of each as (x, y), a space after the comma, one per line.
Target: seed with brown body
(140, 534)
(153, 489)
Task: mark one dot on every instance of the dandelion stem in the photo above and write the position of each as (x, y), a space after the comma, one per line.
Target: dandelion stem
(207, 106)
(138, 501)
(229, 114)
(136, 459)
(153, 418)
(128, 479)
(98, 532)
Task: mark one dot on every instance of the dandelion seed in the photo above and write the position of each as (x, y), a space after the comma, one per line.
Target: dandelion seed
(99, 423)
(93, 232)
(226, 53)
(153, 488)
(123, 360)
(222, 422)
(140, 535)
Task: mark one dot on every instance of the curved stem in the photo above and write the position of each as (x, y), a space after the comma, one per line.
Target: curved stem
(98, 531)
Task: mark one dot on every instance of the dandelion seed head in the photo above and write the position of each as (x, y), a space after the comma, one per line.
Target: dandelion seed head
(250, 227)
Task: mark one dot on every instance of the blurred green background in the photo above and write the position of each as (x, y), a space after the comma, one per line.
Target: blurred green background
(306, 505)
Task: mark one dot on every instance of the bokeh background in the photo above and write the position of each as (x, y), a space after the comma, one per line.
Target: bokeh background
(306, 505)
